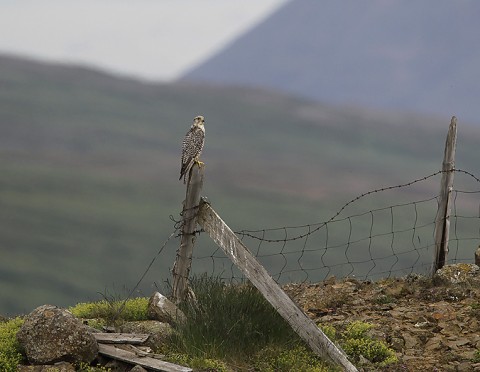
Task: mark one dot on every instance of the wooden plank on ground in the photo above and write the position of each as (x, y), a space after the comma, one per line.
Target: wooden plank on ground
(306, 328)
(121, 338)
(144, 361)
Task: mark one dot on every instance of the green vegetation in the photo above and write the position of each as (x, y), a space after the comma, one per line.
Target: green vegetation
(198, 363)
(89, 166)
(103, 312)
(228, 327)
(476, 357)
(226, 320)
(85, 367)
(10, 355)
(475, 306)
(356, 342)
(113, 311)
(297, 358)
(236, 325)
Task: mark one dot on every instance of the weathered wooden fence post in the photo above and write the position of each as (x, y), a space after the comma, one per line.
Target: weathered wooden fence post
(183, 261)
(233, 247)
(442, 220)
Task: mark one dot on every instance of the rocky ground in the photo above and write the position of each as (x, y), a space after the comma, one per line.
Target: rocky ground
(433, 325)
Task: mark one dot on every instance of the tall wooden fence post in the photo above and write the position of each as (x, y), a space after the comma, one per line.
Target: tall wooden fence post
(442, 220)
(183, 261)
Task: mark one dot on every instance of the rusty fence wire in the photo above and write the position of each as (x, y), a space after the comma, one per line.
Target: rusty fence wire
(390, 240)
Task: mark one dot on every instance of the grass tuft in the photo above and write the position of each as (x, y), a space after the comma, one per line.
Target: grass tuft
(112, 311)
(228, 320)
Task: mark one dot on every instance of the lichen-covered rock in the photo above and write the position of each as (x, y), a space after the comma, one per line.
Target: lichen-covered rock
(158, 331)
(162, 309)
(50, 334)
(477, 256)
(458, 273)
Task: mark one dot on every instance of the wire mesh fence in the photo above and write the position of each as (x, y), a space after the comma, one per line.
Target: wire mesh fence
(390, 240)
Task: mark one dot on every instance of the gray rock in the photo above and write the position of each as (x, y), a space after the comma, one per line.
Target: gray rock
(158, 331)
(138, 368)
(458, 273)
(397, 344)
(477, 256)
(162, 309)
(50, 334)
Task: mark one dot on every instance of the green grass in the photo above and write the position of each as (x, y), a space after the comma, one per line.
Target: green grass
(227, 320)
(297, 358)
(236, 325)
(112, 311)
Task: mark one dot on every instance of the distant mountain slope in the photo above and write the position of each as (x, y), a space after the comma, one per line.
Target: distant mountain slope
(89, 167)
(420, 56)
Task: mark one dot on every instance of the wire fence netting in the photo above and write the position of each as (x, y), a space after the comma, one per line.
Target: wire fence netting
(361, 241)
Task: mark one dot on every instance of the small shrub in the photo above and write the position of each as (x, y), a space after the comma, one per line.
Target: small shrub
(329, 331)
(10, 355)
(356, 342)
(372, 350)
(357, 330)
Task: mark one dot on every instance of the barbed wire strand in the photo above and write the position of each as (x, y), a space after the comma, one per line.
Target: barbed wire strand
(400, 259)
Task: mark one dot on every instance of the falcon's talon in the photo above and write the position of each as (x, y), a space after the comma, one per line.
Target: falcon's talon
(199, 163)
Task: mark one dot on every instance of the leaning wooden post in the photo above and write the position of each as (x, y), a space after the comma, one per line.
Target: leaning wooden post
(183, 261)
(306, 328)
(442, 220)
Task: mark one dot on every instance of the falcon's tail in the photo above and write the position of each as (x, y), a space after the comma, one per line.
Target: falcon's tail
(184, 170)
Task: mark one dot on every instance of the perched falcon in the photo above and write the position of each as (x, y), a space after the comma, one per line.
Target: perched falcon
(192, 146)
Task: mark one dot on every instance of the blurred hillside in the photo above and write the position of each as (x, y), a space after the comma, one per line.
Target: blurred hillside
(89, 166)
(413, 56)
